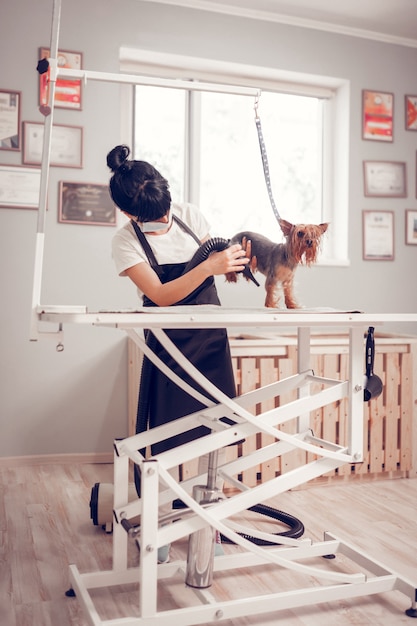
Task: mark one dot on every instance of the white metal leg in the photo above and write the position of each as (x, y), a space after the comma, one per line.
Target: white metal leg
(148, 539)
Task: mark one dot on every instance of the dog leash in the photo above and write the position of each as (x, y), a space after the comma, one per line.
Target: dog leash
(265, 164)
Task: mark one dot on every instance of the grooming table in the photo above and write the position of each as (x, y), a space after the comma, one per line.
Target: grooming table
(158, 486)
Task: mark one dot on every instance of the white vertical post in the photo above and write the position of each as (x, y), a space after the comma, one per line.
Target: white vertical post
(120, 499)
(46, 155)
(356, 389)
(148, 576)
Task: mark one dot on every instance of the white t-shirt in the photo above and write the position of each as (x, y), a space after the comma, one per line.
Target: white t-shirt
(174, 246)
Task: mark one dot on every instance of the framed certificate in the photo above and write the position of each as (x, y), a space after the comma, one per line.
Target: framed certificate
(10, 102)
(19, 187)
(385, 179)
(86, 203)
(68, 91)
(378, 235)
(66, 144)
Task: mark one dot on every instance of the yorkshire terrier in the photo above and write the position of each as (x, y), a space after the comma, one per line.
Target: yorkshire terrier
(278, 261)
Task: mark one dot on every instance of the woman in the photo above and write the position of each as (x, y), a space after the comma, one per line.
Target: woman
(153, 250)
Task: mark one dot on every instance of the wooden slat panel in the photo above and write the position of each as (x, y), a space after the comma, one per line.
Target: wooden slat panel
(388, 419)
(406, 415)
(392, 412)
(342, 439)
(375, 410)
(316, 417)
(268, 373)
(295, 458)
(331, 411)
(249, 381)
(133, 373)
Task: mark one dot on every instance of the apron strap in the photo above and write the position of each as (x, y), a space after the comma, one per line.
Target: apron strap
(186, 228)
(147, 248)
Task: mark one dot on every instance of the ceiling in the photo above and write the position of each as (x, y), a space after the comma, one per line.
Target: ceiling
(393, 21)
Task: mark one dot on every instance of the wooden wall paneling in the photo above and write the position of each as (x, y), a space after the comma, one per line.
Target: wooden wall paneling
(295, 457)
(342, 435)
(390, 421)
(135, 358)
(331, 369)
(268, 374)
(249, 373)
(406, 411)
(392, 412)
(316, 417)
(413, 467)
(375, 412)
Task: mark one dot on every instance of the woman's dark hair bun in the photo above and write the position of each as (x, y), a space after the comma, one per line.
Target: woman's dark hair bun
(117, 157)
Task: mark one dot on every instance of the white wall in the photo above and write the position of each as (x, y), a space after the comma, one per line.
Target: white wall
(75, 401)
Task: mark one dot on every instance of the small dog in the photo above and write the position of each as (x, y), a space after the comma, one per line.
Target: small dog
(278, 261)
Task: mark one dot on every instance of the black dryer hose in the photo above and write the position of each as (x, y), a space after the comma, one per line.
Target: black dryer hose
(295, 526)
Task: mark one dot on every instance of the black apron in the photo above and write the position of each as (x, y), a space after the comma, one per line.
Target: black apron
(160, 399)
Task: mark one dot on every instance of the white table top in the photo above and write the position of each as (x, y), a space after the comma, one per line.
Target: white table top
(207, 316)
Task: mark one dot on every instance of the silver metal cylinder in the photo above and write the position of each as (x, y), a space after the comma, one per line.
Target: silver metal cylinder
(201, 545)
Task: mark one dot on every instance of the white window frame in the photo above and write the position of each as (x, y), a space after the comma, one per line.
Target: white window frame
(335, 93)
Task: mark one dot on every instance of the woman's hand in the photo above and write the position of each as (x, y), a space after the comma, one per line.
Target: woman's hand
(231, 259)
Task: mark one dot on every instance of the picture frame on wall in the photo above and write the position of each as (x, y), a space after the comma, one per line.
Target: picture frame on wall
(85, 203)
(20, 187)
(411, 227)
(68, 91)
(377, 115)
(10, 105)
(385, 179)
(66, 145)
(378, 235)
(410, 112)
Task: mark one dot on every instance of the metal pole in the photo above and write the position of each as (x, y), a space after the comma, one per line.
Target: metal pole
(200, 555)
(136, 79)
(46, 155)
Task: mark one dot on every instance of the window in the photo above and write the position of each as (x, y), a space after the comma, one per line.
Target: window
(206, 144)
(159, 122)
(230, 185)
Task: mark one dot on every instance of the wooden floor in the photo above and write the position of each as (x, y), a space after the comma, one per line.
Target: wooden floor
(45, 526)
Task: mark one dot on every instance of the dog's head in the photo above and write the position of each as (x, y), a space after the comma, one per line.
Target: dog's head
(303, 240)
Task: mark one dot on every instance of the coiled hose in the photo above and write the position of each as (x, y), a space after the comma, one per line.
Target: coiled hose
(296, 527)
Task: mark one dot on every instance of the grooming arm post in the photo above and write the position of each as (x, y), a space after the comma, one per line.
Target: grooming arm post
(43, 191)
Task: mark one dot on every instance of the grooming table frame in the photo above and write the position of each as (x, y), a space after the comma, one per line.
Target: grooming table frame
(370, 576)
